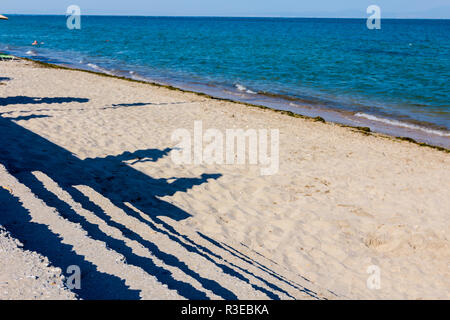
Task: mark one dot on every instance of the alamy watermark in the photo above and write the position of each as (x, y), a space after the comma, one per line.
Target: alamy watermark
(374, 20)
(74, 17)
(74, 280)
(374, 280)
(215, 147)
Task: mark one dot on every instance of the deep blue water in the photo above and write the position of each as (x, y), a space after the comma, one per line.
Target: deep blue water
(399, 74)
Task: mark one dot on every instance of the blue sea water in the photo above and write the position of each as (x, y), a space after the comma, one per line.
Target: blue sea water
(395, 77)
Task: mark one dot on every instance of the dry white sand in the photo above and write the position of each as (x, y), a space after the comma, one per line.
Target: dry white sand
(27, 275)
(144, 227)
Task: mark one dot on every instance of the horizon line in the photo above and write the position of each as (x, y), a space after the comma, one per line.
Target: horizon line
(215, 16)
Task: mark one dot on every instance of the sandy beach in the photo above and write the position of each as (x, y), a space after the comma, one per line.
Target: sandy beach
(88, 179)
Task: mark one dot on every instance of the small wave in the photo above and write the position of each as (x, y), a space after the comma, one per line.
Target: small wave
(244, 89)
(31, 53)
(136, 76)
(100, 69)
(402, 124)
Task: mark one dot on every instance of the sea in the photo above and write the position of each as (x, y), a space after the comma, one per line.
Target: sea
(394, 80)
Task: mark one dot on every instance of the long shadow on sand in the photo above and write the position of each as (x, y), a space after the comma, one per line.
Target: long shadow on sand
(34, 100)
(142, 104)
(39, 238)
(24, 152)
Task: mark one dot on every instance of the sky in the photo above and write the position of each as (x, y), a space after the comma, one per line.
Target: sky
(248, 8)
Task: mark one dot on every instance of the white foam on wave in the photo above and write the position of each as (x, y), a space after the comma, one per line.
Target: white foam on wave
(31, 52)
(136, 76)
(244, 89)
(97, 68)
(403, 124)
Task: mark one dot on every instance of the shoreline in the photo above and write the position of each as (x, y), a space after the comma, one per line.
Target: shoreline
(399, 100)
(364, 129)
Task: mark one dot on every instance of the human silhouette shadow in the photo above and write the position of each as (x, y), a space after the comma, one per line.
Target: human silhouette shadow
(36, 100)
(26, 152)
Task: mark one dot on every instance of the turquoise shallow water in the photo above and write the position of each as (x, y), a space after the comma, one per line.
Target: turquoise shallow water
(397, 76)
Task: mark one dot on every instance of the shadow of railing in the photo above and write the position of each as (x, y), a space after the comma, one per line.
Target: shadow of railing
(39, 238)
(27, 152)
(33, 116)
